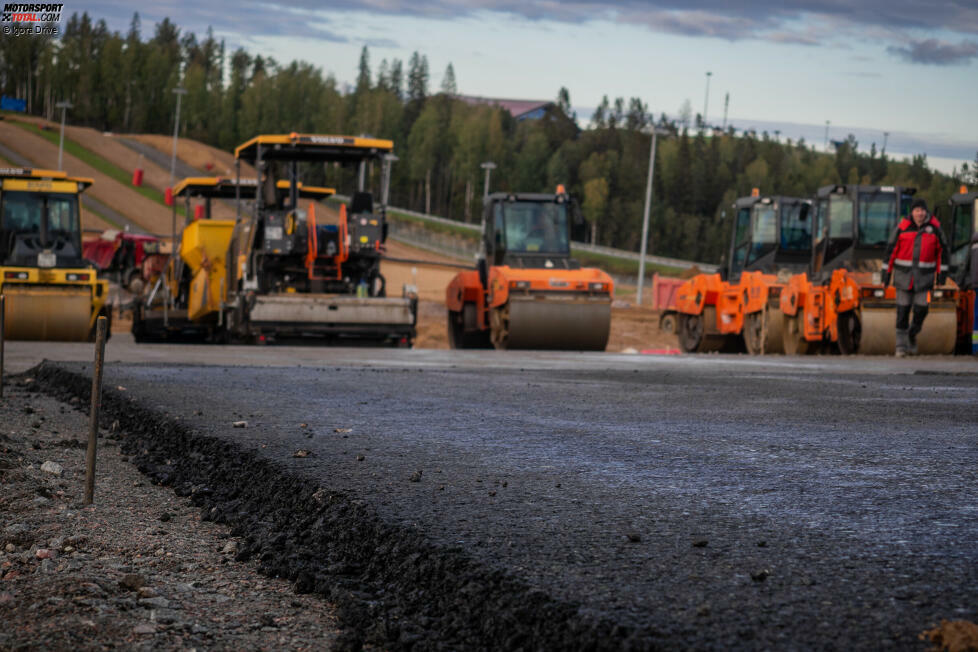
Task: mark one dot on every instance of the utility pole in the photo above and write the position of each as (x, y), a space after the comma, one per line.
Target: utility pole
(726, 105)
(827, 123)
(886, 135)
(64, 106)
(706, 100)
(389, 161)
(488, 166)
(180, 92)
(645, 218)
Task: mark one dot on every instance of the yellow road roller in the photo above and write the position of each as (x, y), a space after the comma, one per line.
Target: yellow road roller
(52, 292)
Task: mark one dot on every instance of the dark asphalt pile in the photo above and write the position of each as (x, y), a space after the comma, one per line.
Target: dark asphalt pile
(655, 508)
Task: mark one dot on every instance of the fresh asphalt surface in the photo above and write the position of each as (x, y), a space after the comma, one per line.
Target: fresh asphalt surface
(709, 501)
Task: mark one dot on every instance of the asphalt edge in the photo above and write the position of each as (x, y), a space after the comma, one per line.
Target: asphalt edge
(392, 588)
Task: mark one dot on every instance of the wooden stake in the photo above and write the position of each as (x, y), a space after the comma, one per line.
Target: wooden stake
(100, 334)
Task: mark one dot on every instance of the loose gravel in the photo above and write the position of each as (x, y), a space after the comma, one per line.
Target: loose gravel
(139, 569)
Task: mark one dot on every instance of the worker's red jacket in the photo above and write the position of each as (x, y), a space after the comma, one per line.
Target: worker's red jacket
(914, 254)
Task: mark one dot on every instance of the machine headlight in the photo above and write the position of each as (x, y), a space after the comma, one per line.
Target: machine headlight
(519, 285)
(20, 276)
(879, 294)
(76, 277)
(597, 287)
(938, 294)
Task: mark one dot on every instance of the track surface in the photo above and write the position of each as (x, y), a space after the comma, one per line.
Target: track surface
(159, 158)
(701, 501)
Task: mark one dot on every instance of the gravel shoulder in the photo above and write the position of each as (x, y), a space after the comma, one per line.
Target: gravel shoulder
(140, 569)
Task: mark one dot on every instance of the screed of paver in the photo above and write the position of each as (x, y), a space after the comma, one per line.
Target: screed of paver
(152, 216)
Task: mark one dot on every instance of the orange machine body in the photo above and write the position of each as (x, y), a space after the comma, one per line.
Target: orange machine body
(466, 288)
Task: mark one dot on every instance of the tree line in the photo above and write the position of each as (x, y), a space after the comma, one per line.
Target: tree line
(124, 83)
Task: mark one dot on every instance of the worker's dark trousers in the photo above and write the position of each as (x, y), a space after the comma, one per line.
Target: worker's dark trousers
(906, 333)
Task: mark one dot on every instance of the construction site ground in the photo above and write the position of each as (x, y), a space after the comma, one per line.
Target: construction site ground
(473, 499)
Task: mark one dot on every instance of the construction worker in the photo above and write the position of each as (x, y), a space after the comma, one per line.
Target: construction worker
(914, 254)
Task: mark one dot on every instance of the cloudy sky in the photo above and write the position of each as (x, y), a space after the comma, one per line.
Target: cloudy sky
(868, 66)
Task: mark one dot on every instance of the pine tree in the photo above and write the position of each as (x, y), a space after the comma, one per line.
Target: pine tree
(599, 119)
(564, 103)
(448, 85)
(363, 72)
(417, 89)
(397, 78)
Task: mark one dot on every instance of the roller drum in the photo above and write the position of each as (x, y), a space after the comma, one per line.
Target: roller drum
(940, 332)
(792, 334)
(764, 331)
(937, 337)
(48, 313)
(697, 333)
(558, 323)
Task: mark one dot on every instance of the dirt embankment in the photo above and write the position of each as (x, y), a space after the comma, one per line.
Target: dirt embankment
(148, 214)
(210, 160)
(109, 147)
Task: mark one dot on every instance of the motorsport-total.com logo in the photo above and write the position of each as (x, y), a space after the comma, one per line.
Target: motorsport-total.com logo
(19, 19)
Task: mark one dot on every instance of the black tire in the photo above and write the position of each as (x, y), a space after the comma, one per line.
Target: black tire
(667, 323)
(690, 332)
(850, 332)
(458, 338)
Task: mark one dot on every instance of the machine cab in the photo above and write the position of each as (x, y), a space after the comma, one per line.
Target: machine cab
(39, 218)
(529, 230)
(770, 234)
(853, 224)
(960, 230)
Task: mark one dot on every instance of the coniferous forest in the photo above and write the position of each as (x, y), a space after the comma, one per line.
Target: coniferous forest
(123, 83)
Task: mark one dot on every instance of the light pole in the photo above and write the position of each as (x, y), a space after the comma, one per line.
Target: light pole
(706, 100)
(645, 219)
(827, 123)
(180, 92)
(886, 135)
(488, 166)
(389, 161)
(64, 106)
